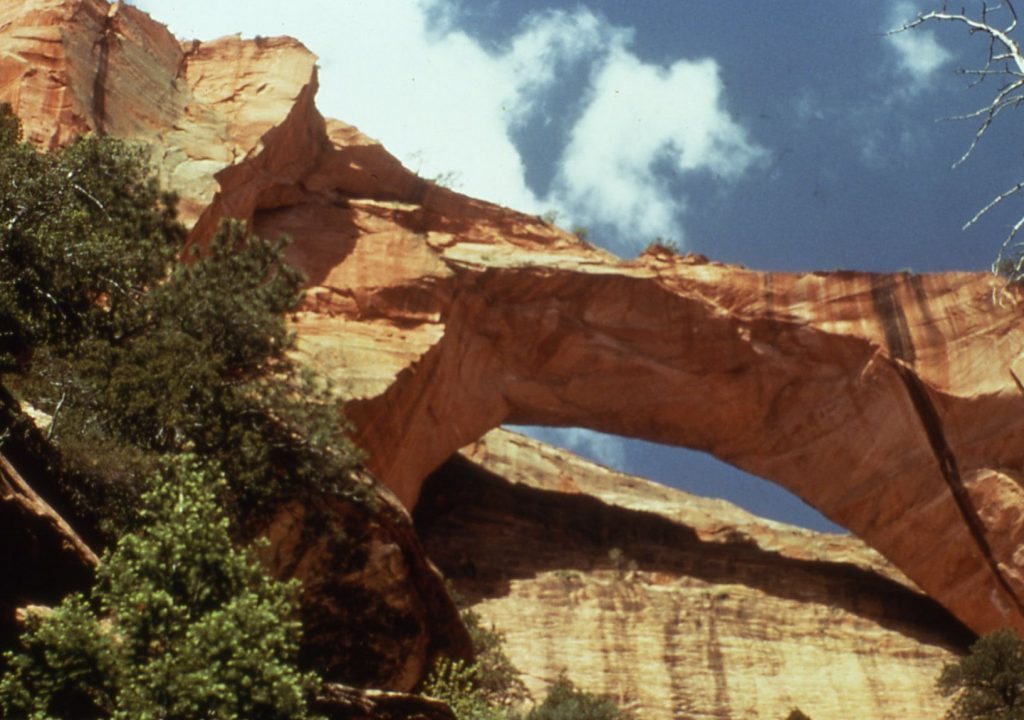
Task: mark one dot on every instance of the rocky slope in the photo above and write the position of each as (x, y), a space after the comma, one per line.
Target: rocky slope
(892, 403)
(677, 606)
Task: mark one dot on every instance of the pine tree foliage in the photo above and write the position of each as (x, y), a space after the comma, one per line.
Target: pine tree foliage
(83, 232)
(179, 625)
(988, 682)
(138, 348)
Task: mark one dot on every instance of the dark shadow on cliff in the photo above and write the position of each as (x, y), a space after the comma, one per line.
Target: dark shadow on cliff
(328, 231)
(483, 532)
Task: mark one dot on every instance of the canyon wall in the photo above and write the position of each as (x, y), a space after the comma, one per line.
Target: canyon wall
(674, 605)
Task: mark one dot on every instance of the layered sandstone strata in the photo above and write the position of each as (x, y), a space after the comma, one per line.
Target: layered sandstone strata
(677, 606)
(71, 67)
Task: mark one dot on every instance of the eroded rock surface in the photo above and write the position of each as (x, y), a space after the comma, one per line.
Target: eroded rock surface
(892, 403)
(677, 606)
(375, 612)
(888, 402)
(75, 66)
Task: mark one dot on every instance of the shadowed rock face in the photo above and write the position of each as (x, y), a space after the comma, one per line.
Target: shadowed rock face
(889, 402)
(677, 606)
(42, 557)
(375, 612)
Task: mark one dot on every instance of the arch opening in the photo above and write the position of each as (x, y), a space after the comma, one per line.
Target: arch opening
(688, 470)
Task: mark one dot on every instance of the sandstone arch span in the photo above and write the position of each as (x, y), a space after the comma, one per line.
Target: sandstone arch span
(892, 403)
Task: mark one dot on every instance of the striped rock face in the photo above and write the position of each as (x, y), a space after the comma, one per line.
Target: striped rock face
(891, 403)
(677, 606)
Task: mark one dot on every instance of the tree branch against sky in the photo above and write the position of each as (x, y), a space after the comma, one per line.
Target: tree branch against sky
(1005, 62)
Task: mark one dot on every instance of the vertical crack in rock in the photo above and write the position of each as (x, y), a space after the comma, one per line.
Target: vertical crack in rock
(716, 663)
(1017, 381)
(99, 84)
(769, 296)
(894, 321)
(672, 656)
(950, 470)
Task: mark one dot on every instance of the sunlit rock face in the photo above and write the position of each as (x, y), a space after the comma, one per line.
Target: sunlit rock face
(888, 402)
(891, 403)
(677, 606)
(76, 66)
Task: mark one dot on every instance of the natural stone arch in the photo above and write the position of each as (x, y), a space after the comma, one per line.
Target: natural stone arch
(858, 425)
(889, 402)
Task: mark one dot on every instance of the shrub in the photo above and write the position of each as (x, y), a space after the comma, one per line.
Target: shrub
(487, 688)
(661, 245)
(456, 682)
(988, 682)
(497, 678)
(179, 625)
(565, 701)
(490, 687)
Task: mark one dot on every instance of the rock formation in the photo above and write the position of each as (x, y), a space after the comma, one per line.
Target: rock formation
(375, 612)
(76, 66)
(892, 403)
(888, 402)
(677, 606)
(42, 558)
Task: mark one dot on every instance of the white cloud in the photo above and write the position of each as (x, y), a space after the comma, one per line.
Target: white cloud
(444, 103)
(640, 121)
(548, 44)
(918, 53)
(608, 450)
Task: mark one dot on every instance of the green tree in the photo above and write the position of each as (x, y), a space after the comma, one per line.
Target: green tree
(494, 673)
(489, 687)
(83, 232)
(565, 701)
(456, 682)
(988, 682)
(138, 348)
(179, 625)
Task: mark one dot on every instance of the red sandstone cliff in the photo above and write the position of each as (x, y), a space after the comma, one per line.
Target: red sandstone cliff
(892, 403)
(677, 606)
(889, 402)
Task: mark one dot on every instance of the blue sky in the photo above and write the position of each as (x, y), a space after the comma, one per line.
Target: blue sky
(782, 136)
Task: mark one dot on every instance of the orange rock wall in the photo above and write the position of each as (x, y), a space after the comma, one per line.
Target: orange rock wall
(889, 402)
(677, 606)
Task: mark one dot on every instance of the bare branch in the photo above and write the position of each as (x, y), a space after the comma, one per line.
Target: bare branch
(56, 412)
(1004, 50)
(1015, 271)
(990, 113)
(91, 197)
(998, 199)
(1012, 49)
